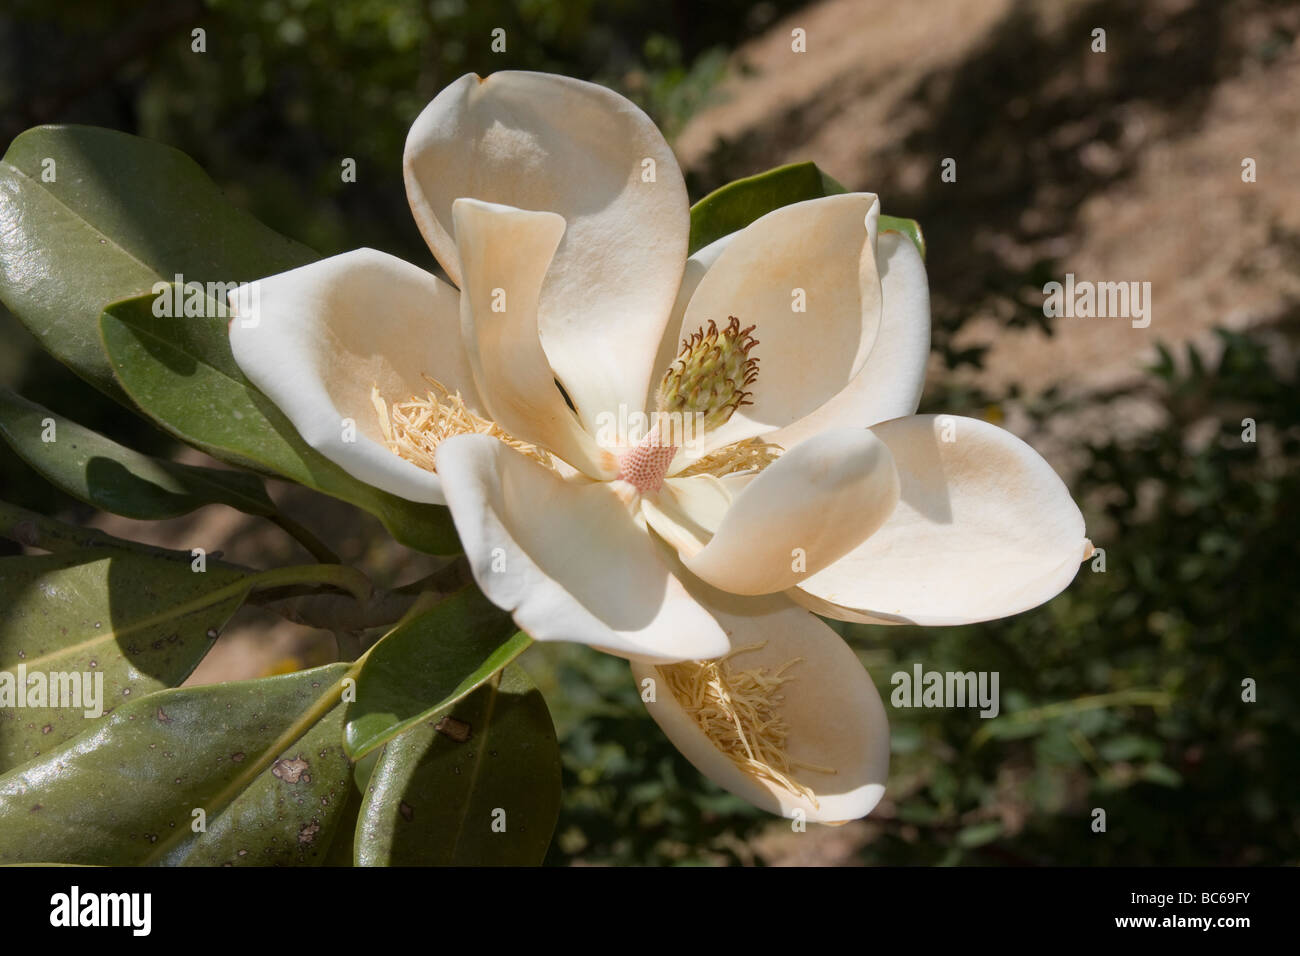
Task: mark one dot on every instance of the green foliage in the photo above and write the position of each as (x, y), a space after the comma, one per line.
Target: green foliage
(449, 791)
(269, 792)
(232, 773)
(428, 663)
(120, 214)
(114, 478)
(126, 215)
(137, 622)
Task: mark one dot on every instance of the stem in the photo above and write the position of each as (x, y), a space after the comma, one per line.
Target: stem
(293, 593)
(334, 575)
(49, 534)
(349, 645)
(333, 612)
(319, 550)
(451, 577)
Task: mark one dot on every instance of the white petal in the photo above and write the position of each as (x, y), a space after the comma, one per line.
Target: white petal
(983, 529)
(504, 253)
(687, 511)
(819, 254)
(889, 385)
(544, 142)
(566, 558)
(802, 513)
(317, 338)
(833, 711)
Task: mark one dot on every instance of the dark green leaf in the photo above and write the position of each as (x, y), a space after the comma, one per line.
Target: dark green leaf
(114, 478)
(140, 621)
(737, 204)
(343, 844)
(121, 214)
(439, 797)
(428, 663)
(183, 375)
(262, 759)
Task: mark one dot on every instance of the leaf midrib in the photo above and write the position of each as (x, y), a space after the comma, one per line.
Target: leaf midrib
(495, 684)
(174, 612)
(311, 715)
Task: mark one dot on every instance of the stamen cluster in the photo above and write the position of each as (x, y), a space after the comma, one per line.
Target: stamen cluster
(711, 373)
(739, 711)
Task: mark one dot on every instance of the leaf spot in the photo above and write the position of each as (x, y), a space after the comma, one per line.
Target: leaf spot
(291, 771)
(457, 730)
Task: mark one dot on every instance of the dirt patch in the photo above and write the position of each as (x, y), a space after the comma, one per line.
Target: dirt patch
(1117, 166)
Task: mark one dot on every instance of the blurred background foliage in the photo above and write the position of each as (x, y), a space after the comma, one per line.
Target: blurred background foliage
(1124, 693)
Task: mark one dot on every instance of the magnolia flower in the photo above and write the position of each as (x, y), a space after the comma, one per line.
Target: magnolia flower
(671, 459)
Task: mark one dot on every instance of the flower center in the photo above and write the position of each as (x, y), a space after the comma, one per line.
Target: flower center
(738, 711)
(645, 466)
(710, 373)
(412, 429)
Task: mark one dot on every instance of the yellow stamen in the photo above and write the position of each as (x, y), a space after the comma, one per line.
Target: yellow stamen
(739, 712)
(412, 429)
(752, 454)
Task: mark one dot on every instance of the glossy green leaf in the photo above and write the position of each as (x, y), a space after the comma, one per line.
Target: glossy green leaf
(908, 227)
(135, 622)
(261, 759)
(182, 374)
(482, 790)
(737, 204)
(116, 625)
(427, 663)
(115, 478)
(89, 216)
(343, 844)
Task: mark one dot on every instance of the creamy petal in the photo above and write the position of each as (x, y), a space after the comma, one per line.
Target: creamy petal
(566, 558)
(833, 710)
(822, 251)
(544, 142)
(687, 511)
(317, 338)
(889, 385)
(983, 529)
(802, 513)
(504, 254)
